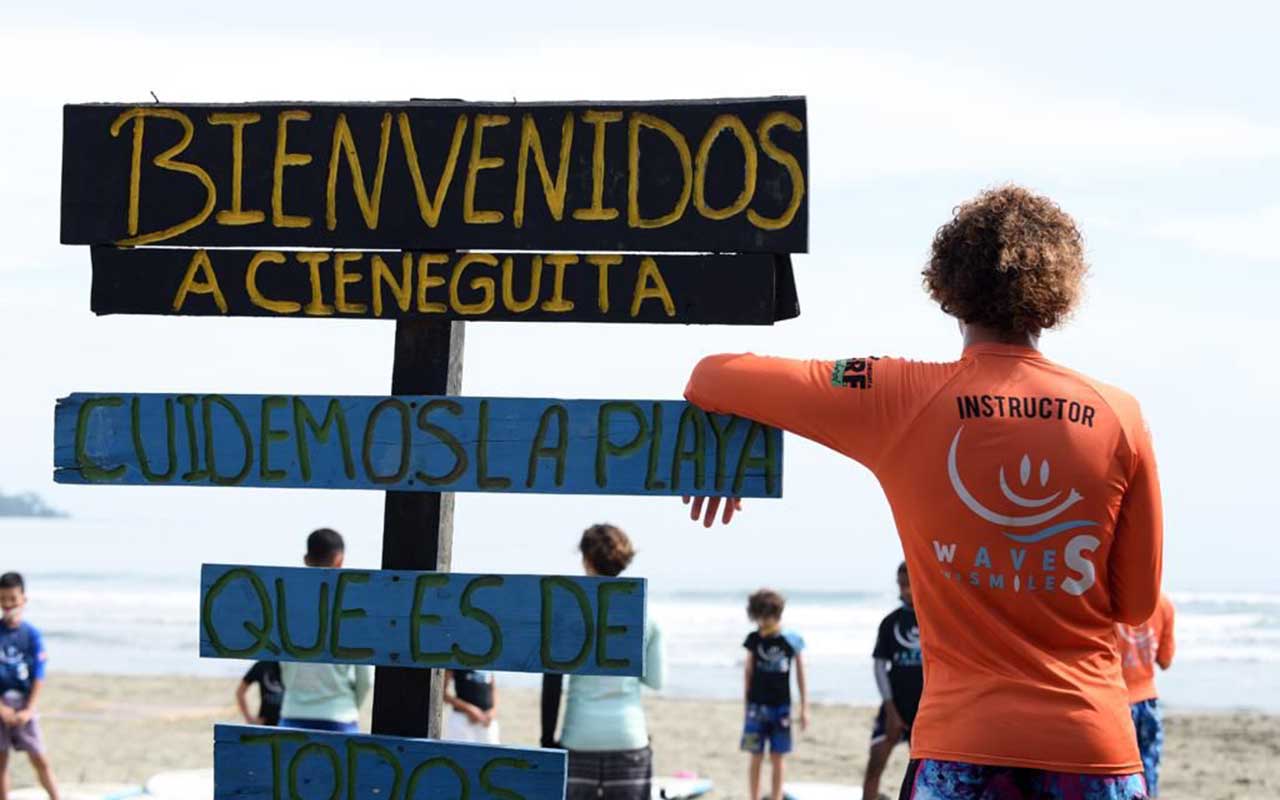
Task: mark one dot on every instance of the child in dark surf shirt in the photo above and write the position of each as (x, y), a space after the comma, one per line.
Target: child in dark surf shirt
(473, 703)
(771, 654)
(899, 676)
(270, 693)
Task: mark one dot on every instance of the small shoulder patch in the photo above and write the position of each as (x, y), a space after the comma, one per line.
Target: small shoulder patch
(853, 373)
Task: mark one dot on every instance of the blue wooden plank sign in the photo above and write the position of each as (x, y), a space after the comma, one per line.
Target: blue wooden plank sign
(408, 443)
(283, 764)
(518, 623)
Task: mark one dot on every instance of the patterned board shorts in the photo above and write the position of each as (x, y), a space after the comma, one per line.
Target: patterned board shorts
(1150, 728)
(612, 775)
(767, 725)
(928, 779)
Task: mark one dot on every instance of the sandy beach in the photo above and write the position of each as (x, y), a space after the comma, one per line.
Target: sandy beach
(125, 729)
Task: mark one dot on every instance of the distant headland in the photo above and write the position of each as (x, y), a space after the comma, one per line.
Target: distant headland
(27, 504)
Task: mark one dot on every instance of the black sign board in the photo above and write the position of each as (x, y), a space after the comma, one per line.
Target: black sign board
(693, 176)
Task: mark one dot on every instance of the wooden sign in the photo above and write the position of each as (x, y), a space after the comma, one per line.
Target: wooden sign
(681, 176)
(284, 764)
(529, 287)
(414, 443)
(443, 620)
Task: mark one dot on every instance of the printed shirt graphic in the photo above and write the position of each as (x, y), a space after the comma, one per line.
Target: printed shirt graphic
(771, 658)
(898, 642)
(1026, 498)
(267, 675)
(1144, 646)
(22, 659)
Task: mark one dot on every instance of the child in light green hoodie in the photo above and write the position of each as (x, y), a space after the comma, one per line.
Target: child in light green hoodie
(324, 697)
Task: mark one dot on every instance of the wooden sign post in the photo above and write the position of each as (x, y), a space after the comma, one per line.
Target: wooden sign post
(429, 213)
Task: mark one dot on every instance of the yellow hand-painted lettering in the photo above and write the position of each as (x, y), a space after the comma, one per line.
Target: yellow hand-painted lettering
(166, 161)
(370, 201)
(649, 284)
(479, 162)
(731, 123)
(641, 120)
(597, 211)
(237, 214)
(286, 159)
(251, 284)
(200, 279)
(788, 161)
(553, 190)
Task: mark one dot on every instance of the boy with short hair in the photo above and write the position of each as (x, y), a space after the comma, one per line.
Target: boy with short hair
(324, 697)
(899, 675)
(22, 660)
(768, 688)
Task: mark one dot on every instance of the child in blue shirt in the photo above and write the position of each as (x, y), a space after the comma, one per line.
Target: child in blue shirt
(22, 659)
(771, 652)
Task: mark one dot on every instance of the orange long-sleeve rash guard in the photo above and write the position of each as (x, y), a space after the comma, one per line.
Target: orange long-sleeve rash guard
(1144, 646)
(1028, 505)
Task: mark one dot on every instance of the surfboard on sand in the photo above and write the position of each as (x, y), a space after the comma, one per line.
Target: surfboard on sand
(671, 788)
(186, 784)
(81, 791)
(821, 791)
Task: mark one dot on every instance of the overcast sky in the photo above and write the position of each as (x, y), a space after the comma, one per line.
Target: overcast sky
(1158, 129)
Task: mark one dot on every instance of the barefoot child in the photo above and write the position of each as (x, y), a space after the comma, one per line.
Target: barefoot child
(771, 652)
(22, 658)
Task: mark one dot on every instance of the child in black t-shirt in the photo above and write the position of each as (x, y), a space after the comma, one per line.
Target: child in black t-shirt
(270, 691)
(899, 677)
(473, 700)
(771, 652)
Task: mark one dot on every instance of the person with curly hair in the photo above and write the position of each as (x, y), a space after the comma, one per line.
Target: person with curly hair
(604, 726)
(1026, 498)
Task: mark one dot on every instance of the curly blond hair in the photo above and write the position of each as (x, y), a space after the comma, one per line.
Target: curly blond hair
(1009, 259)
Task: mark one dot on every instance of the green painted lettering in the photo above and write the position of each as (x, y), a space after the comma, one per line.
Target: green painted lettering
(269, 435)
(206, 410)
(322, 625)
(140, 452)
(340, 612)
(559, 451)
(447, 438)
(606, 447)
(484, 618)
(767, 464)
(482, 455)
(261, 633)
(604, 630)
(333, 417)
(90, 469)
(418, 618)
(691, 419)
(549, 661)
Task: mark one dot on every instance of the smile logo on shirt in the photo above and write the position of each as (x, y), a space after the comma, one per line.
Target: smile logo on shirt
(1054, 505)
(1028, 520)
(910, 639)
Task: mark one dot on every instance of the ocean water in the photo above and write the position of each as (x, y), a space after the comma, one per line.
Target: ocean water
(113, 622)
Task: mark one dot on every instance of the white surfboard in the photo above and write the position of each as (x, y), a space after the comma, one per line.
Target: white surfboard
(80, 791)
(821, 791)
(186, 784)
(669, 788)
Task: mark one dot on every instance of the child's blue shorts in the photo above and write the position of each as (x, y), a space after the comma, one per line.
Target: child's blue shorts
(769, 725)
